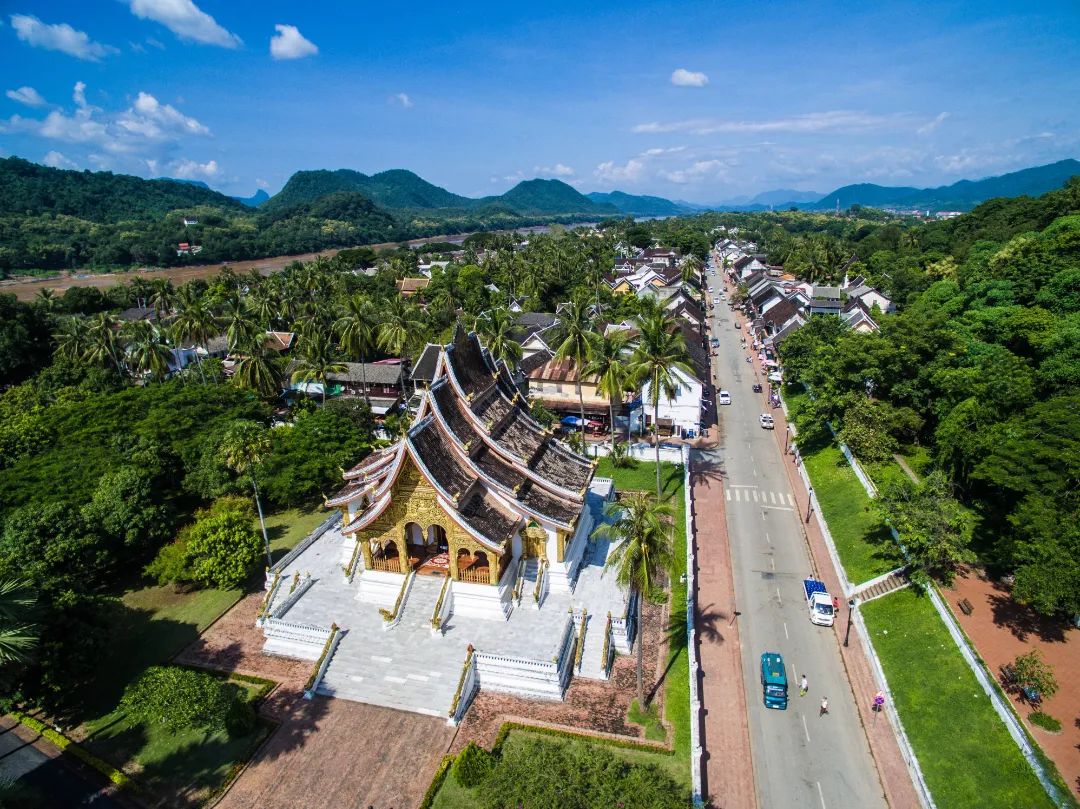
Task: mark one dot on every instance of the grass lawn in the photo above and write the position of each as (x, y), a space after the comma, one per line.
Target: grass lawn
(151, 624)
(964, 749)
(677, 678)
(452, 796)
(187, 767)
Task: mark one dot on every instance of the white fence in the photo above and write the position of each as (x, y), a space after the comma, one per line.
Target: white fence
(640, 451)
(696, 751)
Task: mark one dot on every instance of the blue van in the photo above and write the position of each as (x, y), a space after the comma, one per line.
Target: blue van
(773, 681)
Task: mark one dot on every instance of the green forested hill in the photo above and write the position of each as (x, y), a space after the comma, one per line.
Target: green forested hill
(100, 196)
(550, 196)
(961, 196)
(638, 205)
(396, 188)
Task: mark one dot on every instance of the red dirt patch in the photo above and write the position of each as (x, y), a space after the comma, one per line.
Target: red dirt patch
(1000, 630)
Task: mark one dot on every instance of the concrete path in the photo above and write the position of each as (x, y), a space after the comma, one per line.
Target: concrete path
(800, 759)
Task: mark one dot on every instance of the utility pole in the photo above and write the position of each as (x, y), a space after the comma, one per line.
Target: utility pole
(850, 609)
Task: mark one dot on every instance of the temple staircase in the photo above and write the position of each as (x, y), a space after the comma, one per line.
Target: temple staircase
(404, 667)
(592, 663)
(528, 585)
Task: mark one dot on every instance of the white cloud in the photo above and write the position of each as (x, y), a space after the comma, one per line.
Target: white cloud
(193, 170)
(834, 120)
(78, 128)
(558, 170)
(402, 99)
(688, 78)
(152, 119)
(656, 152)
(701, 170)
(28, 96)
(78, 95)
(289, 43)
(57, 161)
(58, 37)
(930, 126)
(610, 172)
(186, 20)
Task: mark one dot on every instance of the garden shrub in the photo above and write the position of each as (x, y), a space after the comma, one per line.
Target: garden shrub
(543, 774)
(472, 766)
(178, 698)
(1045, 721)
(240, 719)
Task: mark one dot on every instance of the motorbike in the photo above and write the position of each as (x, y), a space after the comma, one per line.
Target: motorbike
(748, 359)
(757, 387)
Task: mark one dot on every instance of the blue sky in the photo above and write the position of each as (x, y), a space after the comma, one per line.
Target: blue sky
(698, 101)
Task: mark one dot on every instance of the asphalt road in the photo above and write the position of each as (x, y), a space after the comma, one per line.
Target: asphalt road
(801, 759)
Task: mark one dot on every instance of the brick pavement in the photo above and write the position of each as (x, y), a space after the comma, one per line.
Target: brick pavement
(728, 770)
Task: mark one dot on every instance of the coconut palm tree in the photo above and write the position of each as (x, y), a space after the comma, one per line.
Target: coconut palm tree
(258, 368)
(140, 290)
(639, 524)
(243, 448)
(316, 362)
(46, 299)
(497, 326)
(146, 351)
(356, 329)
(607, 365)
(400, 326)
(162, 297)
(194, 324)
(73, 338)
(659, 351)
(17, 632)
(240, 327)
(576, 346)
(104, 344)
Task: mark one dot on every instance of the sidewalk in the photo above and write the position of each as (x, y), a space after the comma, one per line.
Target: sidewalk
(729, 769)
(892, 769)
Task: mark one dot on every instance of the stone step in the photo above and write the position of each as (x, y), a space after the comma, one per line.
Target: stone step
(591, 663)
(423, 597)
(894, 581)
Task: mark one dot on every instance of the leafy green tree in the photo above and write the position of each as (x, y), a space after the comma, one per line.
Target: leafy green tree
(472, 765)
(172, 564)
(643, 556)
(194, 324)
(658, 352)
(934, 527)
(1032, 671)
(124, 507)
(146, 351)
(177, 699)
(72, 338)
(222, 544)
(243, 449)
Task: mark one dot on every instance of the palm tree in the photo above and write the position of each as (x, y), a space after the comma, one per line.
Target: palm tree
(240, 328)
(497, 326)
(608, 366)
(257, 368)
(195, 324)
(162, 297)
(104, 345)
(244, 447)
(17, 633)
(316, 362)
(356, 329)
(140, 290)
(659, 352)
(643, 553)
(46, 299)
(400, 326)
(578, 338)
(146, 349)
(73, 338)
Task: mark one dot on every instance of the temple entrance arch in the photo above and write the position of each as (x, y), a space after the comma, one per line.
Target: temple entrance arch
(436, 537)
(534, 541)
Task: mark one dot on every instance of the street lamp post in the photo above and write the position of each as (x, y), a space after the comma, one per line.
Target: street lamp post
(809, 503)
(787, 437)
(850, 609)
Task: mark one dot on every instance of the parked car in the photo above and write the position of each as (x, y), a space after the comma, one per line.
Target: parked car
(716, 301)
(723, 398)
(766, 421)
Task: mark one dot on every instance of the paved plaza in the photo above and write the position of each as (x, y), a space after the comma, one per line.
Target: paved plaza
(412, 667)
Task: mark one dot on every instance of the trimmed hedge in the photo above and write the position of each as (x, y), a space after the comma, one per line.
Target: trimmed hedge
(68, 746)
(436, 782)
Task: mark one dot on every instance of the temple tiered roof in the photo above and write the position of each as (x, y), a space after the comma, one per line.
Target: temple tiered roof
(475, 443)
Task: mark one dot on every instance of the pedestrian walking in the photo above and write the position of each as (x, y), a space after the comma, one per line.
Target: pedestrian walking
(804, 686)
(824, 706)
